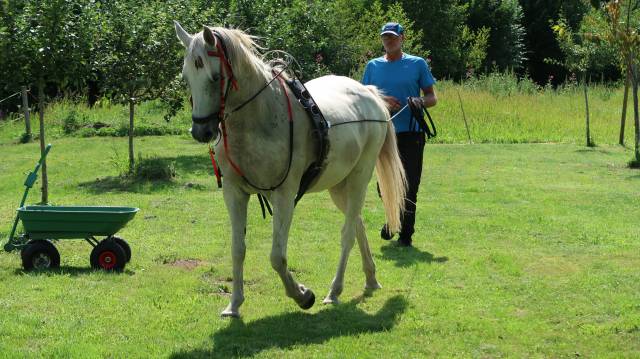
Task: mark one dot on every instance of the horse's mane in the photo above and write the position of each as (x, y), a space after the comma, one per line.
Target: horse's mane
(242, 49)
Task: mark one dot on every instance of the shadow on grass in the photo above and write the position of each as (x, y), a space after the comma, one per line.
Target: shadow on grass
(408, 256)
(594, 150)
(69, 271)
(182, 164)
(296, 329)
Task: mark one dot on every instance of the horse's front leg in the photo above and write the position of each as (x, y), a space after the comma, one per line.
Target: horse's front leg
(236, 201)
(283, 205)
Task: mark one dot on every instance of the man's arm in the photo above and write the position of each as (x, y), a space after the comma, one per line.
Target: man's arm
(429, 99)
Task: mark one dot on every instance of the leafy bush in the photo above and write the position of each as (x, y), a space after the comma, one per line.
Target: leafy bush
(71, 123)
(25, 138)
(501, 84)
(154, 169)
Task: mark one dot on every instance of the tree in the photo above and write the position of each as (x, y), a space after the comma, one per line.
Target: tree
(48, 45)
(140, 55)
(540, 40)
(624, 34)
(580, 55)
(505, 47)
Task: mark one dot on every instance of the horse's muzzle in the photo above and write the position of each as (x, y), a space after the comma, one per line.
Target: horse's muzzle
(203, 129)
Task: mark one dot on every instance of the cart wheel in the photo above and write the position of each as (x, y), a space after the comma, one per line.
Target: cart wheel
(40, 254)
(122, 243)
(108, 255)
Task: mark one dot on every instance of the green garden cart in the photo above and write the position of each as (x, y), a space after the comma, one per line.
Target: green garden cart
(45, 224)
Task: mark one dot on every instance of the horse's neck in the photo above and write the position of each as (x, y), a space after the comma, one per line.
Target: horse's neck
(258, 138)
(261, 118)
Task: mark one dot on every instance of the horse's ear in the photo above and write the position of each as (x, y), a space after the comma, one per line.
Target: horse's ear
(183, 36)
(209, 38)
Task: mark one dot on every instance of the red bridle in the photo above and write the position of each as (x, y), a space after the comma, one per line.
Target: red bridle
(225, 66)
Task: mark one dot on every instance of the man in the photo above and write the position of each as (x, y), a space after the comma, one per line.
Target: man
(401, 76)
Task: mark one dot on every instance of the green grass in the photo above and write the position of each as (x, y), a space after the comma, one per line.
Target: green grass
(498, 110)
(526, 250)
(496, 115)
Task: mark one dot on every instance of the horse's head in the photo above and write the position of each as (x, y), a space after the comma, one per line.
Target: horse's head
(208, 74)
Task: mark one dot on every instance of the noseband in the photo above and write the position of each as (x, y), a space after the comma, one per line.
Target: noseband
(225, 82)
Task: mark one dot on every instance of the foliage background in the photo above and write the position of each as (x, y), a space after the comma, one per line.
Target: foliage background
(112, 47)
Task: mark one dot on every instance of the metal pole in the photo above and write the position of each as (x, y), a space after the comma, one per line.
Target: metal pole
(464, 117)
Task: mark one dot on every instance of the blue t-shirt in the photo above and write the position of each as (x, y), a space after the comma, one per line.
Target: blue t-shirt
(401, 79)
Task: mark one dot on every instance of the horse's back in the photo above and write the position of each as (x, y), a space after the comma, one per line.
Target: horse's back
(353, 143)
(343, 99)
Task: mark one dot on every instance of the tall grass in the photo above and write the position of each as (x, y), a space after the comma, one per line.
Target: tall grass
(67, 117)
(499, 107)
(503, 109)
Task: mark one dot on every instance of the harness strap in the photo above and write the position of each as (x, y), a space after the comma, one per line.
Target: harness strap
(237, 169)
(215, 167)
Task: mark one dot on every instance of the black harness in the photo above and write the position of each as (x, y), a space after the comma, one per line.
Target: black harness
(418, 115)
(320, 133)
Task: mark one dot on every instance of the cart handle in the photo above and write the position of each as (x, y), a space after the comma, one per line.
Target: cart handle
(31, 179)
(33, 176)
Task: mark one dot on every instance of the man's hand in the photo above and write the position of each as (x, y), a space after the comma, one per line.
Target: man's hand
(394, 104)
(416, 102)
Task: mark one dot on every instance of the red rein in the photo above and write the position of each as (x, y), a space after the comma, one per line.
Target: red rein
(225, 65)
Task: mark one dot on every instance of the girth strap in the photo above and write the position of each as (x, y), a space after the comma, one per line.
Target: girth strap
(320, 132)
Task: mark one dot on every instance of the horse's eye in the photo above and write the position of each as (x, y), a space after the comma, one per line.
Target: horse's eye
(215, 77)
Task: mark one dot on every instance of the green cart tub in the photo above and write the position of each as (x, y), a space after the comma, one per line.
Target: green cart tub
(60, 222)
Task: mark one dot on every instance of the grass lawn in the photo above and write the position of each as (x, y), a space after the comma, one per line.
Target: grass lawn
(521, 250)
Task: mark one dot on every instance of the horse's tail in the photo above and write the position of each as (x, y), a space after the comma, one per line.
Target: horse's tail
(392, 180)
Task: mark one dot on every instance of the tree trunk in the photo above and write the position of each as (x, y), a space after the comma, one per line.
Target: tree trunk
(131, 157)
(623, 118)
(45, 185)
(27, 114)
(586, 106)
(636, 116)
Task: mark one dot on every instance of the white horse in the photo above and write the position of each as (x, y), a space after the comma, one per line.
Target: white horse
(234, 92)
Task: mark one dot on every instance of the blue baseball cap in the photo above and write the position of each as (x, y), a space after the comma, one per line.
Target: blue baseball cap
(392, 28)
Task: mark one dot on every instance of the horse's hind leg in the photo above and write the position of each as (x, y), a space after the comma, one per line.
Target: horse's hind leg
(349, 198)
(368, 265)
(236, 202)
(283, 206)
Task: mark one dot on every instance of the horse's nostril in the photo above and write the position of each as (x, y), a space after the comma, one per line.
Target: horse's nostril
(208, 134)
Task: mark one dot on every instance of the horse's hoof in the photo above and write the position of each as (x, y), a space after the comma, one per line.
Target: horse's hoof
(230, 313)
(329, 299)
(309, 299)
(373, 286)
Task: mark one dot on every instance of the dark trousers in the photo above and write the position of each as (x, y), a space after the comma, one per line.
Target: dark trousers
(411, 148)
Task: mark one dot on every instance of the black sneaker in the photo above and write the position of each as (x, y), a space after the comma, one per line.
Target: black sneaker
(385, 233)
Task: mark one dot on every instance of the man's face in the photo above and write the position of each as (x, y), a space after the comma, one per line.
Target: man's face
(392, 43)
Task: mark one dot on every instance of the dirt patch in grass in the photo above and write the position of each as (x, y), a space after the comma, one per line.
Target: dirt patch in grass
(553, 267)
(188, 264)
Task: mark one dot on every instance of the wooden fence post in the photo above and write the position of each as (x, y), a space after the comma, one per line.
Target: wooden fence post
(27, 114)
(45, 184)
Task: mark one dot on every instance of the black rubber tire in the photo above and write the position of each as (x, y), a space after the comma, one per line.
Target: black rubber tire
(122, 243)
(108, 256)
(40, 255)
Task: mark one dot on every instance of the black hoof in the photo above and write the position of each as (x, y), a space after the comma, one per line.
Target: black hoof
(309, 302)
